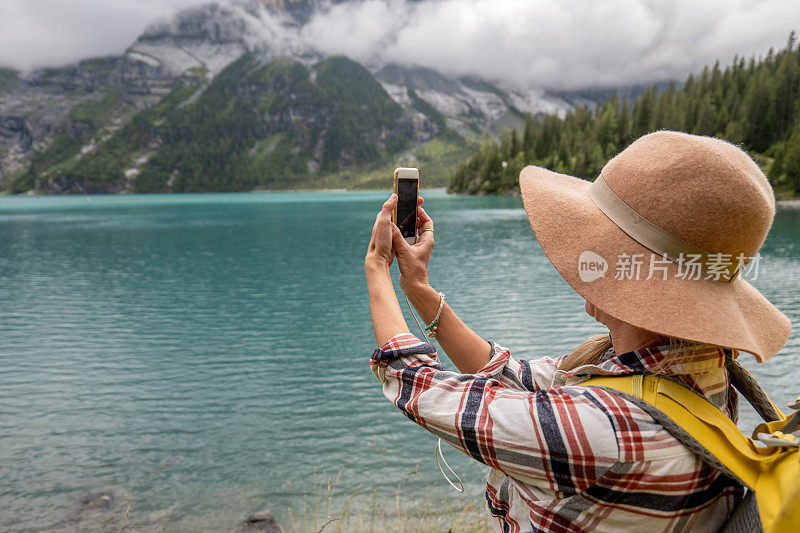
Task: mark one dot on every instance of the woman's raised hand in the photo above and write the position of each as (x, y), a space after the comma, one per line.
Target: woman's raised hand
(413, 258)
(380, 252)
(387, 243)
(465, 348)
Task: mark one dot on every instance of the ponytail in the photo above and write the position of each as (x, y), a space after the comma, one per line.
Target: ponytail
(591, 353)
(588, 353)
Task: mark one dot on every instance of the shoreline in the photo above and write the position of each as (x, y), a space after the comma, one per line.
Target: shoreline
(32, 194)
(359, 511)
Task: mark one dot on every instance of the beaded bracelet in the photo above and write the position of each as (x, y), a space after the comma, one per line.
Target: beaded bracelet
(433, 327)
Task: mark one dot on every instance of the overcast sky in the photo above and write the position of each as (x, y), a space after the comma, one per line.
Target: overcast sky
(547, 43)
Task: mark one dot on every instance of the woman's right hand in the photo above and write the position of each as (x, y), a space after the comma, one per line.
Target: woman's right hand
(413, 259)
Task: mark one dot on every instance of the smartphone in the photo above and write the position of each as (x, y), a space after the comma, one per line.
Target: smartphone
(406, 186)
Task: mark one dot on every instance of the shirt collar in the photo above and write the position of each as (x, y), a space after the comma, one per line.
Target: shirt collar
(696, 358)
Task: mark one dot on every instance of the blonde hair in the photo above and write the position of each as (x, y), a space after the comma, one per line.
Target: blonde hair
(592, 350)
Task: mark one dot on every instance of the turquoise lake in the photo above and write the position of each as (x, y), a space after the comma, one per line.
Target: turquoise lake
(208, 354)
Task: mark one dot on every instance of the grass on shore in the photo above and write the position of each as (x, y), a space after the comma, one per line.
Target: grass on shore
(328, 510)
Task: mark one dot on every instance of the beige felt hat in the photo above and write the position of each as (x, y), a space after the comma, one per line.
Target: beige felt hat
(662, 237)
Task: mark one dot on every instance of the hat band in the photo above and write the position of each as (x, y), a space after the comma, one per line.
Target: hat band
(713, 265)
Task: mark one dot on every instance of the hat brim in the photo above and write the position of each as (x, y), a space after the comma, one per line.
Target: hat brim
(567, 222)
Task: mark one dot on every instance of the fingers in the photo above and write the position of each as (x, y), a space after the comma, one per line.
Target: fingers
(384, 215)
(399, 243)
(388, 205)
(386, 209)
(424, 222)
(425, 239)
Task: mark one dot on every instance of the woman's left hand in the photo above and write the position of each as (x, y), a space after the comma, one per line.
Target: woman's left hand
(380, 252)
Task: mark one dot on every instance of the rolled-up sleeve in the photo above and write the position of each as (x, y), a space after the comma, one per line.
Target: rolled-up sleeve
(500, 416)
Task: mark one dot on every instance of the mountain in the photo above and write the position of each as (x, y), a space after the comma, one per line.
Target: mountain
(754, 104)
(229, 96)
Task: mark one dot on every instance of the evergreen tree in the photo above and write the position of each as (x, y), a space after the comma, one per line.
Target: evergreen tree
(753, 103)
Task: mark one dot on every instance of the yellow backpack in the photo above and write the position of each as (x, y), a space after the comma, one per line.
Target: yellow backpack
(767, 464)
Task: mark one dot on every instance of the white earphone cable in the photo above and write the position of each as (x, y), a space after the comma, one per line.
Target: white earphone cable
(438, 453)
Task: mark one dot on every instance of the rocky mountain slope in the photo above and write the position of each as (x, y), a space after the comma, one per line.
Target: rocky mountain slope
(229, 96)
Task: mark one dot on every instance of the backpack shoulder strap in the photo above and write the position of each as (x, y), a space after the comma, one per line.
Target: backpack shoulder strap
(696, 422)
(748, 387)
(631, 388)
(771, 472)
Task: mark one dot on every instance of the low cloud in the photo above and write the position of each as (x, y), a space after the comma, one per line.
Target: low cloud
(549, 43)
(542, 43)
(40, 33)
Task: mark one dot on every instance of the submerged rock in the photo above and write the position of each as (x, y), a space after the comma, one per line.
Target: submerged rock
(99, 510)
(100, 499)
(262, 521)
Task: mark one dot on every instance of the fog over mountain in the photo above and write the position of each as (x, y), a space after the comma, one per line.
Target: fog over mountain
(542, 43)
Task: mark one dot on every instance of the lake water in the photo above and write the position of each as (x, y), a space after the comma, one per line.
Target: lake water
(207, 355)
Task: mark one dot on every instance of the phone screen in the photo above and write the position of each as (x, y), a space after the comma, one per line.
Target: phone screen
(407, 206)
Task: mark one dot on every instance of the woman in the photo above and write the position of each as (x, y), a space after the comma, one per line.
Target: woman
(656, 246)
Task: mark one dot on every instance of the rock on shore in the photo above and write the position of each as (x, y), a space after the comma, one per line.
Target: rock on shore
(262, 521)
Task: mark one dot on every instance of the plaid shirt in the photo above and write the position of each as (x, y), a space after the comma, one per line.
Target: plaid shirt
(563, 457)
